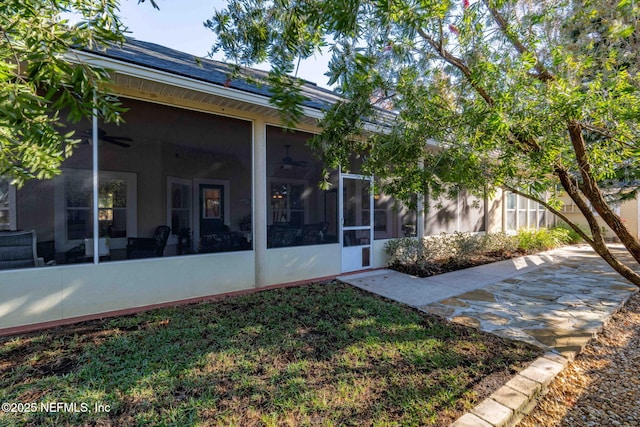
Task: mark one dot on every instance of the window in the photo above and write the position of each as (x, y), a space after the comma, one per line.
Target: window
(287, 203)
(116, 207)
(524, 213)
(77, 190)
(112, 207)
(7, 205)
(180, 205)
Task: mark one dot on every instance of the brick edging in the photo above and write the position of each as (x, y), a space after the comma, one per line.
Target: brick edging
(511, 402)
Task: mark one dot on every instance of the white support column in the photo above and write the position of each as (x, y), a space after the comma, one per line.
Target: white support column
(96, 228)
(260, 201)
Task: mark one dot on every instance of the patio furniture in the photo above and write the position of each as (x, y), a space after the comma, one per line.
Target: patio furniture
(314, 233)
(18, 250)
(223, 241)
(282, 235)
(140, 247)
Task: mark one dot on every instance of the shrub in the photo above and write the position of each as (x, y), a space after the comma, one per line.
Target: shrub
(402, 251)
(460, 247)
(542, 239)
(500, 244)
(572, 237)
(446, 247)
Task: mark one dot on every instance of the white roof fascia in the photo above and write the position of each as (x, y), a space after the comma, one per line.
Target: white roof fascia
(164, 77)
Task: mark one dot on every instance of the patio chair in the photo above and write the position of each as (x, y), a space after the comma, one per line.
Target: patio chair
(282, 235)
(314, 233)
(140, 247)
(18, 250)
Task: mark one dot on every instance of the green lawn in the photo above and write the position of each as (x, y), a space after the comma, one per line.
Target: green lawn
(324, 354)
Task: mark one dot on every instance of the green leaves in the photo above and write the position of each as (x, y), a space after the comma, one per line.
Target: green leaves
(495, 84)
(39, 87)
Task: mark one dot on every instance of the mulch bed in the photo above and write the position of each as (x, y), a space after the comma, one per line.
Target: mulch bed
(447, 265)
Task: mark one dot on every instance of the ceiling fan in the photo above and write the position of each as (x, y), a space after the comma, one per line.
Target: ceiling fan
(289, 163)
(103, 136)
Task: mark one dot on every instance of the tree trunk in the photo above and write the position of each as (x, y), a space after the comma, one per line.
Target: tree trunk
(597, 242)
(590, 189)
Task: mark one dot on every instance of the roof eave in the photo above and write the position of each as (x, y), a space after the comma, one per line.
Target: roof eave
(184, 82)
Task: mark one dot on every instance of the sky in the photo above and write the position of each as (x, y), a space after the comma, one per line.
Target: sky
(179, 25)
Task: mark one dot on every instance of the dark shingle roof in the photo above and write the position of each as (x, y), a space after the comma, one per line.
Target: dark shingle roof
(162, 58)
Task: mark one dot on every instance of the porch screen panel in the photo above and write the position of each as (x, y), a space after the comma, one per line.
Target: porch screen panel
(471, 212)
(298, 212)
(392, 218)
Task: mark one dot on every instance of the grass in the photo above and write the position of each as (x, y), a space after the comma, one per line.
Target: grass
(324, 354)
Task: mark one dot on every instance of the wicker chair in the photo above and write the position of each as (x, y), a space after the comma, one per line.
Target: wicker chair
(18, 250)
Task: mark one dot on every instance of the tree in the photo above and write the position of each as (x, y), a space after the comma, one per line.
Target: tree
(40, 80)
(531, 96)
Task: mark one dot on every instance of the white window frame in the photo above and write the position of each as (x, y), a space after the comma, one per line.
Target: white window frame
(532, 210)
(12, 205)
(63, 243)
(305, 200)
(173, 237)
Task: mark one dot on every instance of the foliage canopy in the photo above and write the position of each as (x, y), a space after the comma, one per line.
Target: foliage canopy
(43, 85)
(531, 96)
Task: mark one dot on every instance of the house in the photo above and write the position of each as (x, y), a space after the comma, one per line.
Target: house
(203, 165)
(627, 210)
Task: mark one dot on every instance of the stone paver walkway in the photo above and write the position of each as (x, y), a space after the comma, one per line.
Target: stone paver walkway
(557, 301)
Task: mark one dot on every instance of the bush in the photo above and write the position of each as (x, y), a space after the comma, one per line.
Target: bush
(456, 247)
(543, 239)
(572, 237)
(461, 247)
(500, 244)
(403, 251)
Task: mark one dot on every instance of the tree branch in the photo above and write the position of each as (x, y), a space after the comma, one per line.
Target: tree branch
(458, 63)
(604, 133)
(543, 73)
(592, 192)
(599, 245)
(528, 145)
(556, 212)
(16, 57)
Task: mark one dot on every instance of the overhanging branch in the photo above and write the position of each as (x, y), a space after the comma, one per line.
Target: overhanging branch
(554, 211)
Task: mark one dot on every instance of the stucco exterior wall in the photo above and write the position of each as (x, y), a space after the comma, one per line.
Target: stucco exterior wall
(297, 263)
(629, 212)
(495, 212)
(53, 293)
